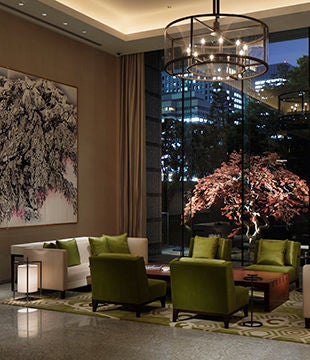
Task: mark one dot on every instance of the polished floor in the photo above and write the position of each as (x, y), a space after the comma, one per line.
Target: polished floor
(53, 335)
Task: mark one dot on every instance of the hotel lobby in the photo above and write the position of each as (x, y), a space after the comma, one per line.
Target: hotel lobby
(83, 49)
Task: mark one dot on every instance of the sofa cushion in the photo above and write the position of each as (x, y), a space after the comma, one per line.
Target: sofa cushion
(72, 251)
(78, 275)
(205, 247)
(98, 245)
(118, 243)
(274, 268)
(291, 254)
(271, 252)
(201, 260)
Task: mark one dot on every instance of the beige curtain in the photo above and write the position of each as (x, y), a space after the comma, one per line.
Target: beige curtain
(132, 146)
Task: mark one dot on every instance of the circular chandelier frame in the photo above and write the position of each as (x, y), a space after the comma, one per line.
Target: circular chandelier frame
(216, 47)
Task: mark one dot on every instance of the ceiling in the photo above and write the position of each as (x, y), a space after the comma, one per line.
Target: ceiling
(130, 26)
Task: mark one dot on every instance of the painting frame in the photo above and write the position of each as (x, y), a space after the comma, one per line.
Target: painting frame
(38, 150)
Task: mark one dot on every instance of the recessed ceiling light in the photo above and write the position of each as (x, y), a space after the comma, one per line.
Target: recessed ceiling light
(65, 23)
(21, 3)
(84, 31)
(44, 14)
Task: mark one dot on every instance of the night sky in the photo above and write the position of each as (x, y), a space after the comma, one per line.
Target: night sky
(288, 51)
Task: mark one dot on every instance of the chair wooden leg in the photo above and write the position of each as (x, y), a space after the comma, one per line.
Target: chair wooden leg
(175, 314)
(94, 304)
(163, 301)
(246, 310)
(226, 322)
(62, 294)
(307, 323)
(138, 311)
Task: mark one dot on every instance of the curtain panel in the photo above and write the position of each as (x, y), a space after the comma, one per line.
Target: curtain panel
(132, 146)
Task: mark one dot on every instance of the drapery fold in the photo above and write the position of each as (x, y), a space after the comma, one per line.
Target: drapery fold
(132, 146)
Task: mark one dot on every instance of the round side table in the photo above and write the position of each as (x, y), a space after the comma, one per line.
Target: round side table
(251, 322)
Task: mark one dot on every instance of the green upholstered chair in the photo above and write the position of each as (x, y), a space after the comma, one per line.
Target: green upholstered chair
(277, 256)
(206, 286)
(122, 279)
(213, 247)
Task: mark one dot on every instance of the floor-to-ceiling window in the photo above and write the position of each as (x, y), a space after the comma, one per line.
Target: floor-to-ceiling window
(208, 127)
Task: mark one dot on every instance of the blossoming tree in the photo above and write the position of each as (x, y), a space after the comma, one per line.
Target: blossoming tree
(270, 191)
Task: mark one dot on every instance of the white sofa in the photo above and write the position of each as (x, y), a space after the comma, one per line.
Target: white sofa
(306, 294)
(56, 275)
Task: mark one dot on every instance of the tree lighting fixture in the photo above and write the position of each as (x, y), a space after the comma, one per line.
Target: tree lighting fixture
(216, 47)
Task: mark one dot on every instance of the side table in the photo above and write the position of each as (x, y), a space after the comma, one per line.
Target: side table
(251, 322)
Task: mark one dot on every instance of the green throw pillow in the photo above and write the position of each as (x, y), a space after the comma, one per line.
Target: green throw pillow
(50, 245)
(98, 245)
(292, 251)
(72, 251)
(205, 247)
(118, 243)
(271, 252)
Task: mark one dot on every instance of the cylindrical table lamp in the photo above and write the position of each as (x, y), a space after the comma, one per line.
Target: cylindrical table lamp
(27, 278)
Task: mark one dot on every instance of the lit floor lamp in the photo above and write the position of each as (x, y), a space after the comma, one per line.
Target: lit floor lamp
(28, 278)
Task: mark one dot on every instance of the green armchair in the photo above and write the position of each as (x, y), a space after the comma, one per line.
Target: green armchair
(213, 247)
(122, 279)
(277, 256)
(206, 286)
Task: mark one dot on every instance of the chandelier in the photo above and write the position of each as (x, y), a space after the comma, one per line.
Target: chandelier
(216, 47)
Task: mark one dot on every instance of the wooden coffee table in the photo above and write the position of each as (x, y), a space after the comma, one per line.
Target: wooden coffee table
(158, 271)
(274, 285)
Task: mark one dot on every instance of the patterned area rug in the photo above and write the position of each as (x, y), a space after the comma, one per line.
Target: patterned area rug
(286, 322)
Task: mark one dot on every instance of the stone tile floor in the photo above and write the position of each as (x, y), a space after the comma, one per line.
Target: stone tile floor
(53, 335)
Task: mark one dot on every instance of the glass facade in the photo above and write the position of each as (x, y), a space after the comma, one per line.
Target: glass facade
(234, 154)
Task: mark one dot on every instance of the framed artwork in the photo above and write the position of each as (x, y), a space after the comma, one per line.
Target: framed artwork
(38, 151)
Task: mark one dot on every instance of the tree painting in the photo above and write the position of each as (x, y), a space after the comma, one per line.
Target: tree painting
(38, 148)
(270, 191)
